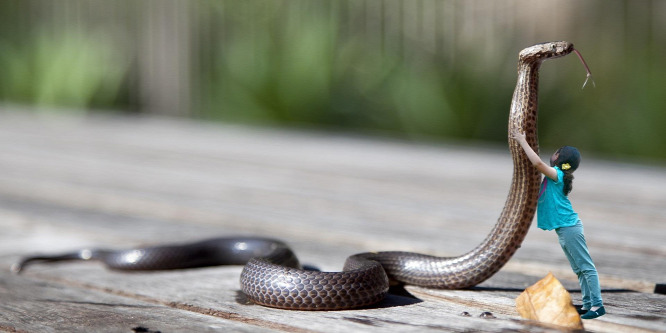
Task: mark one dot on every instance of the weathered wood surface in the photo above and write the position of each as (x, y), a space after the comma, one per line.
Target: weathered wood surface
(119, 182)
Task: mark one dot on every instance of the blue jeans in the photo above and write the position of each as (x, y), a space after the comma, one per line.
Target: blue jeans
(573, 243)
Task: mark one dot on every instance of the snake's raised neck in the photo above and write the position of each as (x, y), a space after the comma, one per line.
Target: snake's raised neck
(516, 217)
(508, 233)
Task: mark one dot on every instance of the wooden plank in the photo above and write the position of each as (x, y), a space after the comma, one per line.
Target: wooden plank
(218, 183)
(216, 294)
(118, 182)
(221, 284)
(39, 305)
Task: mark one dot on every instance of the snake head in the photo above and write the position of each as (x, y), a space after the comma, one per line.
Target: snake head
(543, 51)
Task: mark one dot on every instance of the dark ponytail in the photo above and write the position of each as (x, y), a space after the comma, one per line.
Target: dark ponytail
(568, 180)
(568, 160)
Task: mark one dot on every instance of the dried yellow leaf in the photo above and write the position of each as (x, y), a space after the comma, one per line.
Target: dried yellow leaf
(548, 302)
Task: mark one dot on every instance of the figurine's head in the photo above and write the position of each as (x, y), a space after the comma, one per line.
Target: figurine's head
(566, 158)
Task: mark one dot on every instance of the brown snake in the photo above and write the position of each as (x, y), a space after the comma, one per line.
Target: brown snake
(272, 277)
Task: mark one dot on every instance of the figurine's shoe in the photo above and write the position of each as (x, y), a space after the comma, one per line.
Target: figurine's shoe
(580, 309)
(594, 314)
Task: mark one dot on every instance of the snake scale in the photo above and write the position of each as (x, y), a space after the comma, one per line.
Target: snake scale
(272, 275)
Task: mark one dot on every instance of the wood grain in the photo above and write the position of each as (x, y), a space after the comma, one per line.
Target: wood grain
(118, 182)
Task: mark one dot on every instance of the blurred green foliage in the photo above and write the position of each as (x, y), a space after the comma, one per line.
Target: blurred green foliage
(363, 66)
(312, 76)
(68, 69)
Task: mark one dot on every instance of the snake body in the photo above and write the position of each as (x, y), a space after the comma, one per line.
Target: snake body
(272, 276)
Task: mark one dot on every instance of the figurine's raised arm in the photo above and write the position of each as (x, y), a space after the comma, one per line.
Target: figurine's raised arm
(544, 168)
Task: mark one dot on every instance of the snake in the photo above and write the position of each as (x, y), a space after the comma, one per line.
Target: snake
(272, 275)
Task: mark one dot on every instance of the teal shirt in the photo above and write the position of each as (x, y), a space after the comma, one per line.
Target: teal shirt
(554, 208)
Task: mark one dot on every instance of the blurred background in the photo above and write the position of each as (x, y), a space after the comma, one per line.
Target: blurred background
(425, 70)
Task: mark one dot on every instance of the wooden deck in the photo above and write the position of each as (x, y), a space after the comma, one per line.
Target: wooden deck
(117, 182)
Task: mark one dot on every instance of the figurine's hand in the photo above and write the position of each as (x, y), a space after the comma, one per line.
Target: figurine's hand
(516, 135)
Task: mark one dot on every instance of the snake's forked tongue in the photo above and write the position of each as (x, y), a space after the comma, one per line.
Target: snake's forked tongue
(589, 74)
